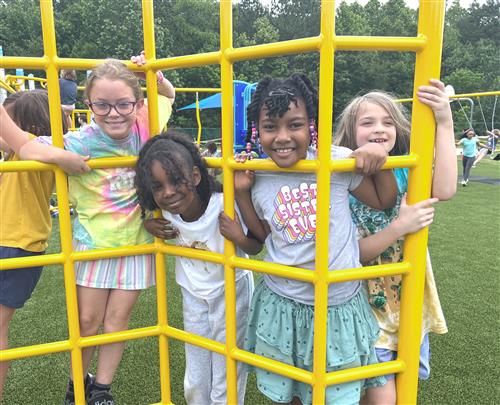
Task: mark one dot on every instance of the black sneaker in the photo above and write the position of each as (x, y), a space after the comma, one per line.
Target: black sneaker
(101, 397)
(70, 389)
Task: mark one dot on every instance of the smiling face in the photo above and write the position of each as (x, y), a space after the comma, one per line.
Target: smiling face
(470, 134)
(115, 125)
(374, 124)
(285, 140)
(180, 199)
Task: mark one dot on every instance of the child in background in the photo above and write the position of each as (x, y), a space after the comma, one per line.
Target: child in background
(283, 116)
(109, 215)
(377, 118)
(13, 138)
(68, 90)
(172, 176)
(469, 141)
(23, 232)
(211, 151)
(490, 147)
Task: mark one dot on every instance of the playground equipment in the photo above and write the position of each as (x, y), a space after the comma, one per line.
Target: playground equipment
(242, 96)
(427, 47)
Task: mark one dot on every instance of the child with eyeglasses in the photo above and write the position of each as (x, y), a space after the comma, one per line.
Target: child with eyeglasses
(109, 215)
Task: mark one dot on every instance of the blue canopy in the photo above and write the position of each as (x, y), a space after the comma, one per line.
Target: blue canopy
(213, 101)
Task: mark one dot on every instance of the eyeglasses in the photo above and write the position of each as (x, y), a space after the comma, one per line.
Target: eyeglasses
(123, 107)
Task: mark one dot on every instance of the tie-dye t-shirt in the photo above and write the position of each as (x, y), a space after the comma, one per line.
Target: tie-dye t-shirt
(109, 214)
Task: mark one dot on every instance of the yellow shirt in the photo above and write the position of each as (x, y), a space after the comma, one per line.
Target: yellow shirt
(24, 208)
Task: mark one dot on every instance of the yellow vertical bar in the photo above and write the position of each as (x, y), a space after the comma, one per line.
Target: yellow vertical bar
(154, 128)
(150, 51)
(50, 50)
(198, 119)
(226, 42)
(323, 179)
(428, 64)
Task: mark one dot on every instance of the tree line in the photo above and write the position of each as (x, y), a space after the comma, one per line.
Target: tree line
(113, 28)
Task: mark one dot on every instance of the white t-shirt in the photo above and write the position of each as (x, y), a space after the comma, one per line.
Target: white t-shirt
(202, 279)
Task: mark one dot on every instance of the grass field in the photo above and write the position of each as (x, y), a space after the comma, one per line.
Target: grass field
(464, 246)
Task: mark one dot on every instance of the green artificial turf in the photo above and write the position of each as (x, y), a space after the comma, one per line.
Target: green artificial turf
(464, 246)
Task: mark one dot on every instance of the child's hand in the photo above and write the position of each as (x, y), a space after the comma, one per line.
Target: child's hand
(413, 218)
(369, 158)
(435, 97)
(243, 179)
(140, 60)
(231, 229)
(70, 162)
(161, 228)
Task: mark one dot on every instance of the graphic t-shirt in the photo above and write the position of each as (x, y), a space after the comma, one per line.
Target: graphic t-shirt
(287, 202)
(202, 279)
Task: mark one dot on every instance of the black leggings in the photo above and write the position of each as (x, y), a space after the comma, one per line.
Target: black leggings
(467, 164)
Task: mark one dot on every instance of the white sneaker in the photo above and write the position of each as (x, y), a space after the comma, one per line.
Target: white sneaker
(473, 166)
(463, 183)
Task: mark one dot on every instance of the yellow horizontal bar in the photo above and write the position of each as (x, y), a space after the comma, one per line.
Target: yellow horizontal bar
(31, 261)
(196, 60)
(130, 334)
(95, 254)
(482, 94)
(196, 340)
(25, 166)
(35, 350)
(361, 43)
(273, 366)
(10, 78)
(197, 89)
(14, 62)
(369, 272)
(101, 163)
(192, 253)
(294, 46)
(457, 96)
(107, 163)
(358, 373)
(341, 165)
(274, 269)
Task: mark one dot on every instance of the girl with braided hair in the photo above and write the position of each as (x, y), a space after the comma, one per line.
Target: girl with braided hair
(171, 175)
(280, 209)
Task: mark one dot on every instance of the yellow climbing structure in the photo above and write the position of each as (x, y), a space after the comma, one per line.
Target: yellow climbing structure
(427, 47)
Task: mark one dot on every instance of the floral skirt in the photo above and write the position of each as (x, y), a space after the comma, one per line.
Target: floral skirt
(282, 329)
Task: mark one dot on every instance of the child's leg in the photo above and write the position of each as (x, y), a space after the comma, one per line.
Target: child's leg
(6, 314)
(198, 375)
(217, 313)
(91, 309)
(385, 395)
(118, 310)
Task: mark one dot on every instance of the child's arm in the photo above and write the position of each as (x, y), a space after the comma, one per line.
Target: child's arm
(411, 219)
(20, 142)
(165, 88)
(161, 228)
(444, 185)
(378, 189)
(243, 181)
(232, 230)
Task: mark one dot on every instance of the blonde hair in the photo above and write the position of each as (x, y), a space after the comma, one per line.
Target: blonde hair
(346, 130)
(113, 69)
